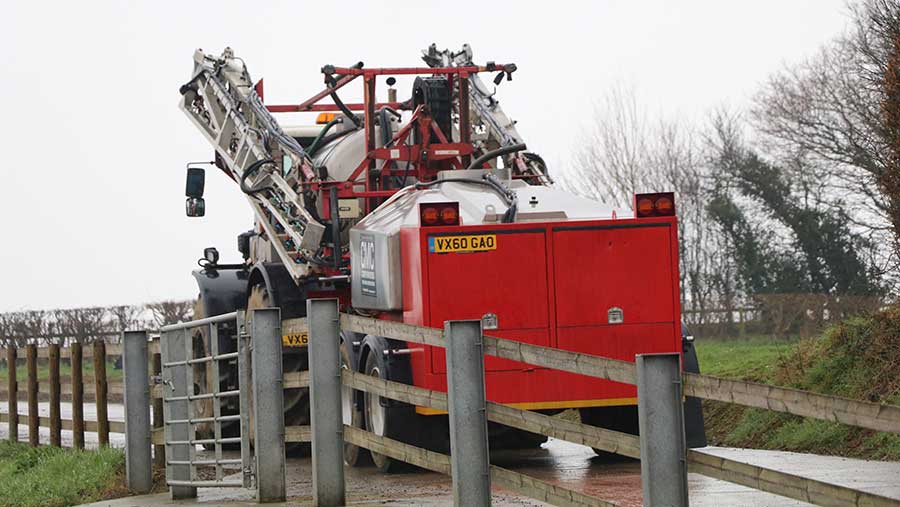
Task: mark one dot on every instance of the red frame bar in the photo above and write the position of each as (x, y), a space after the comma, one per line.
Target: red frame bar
(299, 108)
(473, 69)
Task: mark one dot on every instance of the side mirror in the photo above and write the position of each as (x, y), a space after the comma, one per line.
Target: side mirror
(195, 206)
(196, 180)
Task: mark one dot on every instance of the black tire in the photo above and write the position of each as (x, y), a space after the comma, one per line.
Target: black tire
(352, 402)
(296, 401)
(623, 419)
(386, 418)
(506, 437)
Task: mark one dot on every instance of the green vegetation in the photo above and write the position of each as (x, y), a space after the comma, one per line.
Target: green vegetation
(859, 358)
(65, 370)
(55, 477)
(754, 358)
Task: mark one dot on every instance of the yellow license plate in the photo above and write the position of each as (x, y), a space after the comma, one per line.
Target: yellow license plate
(295, 340)
(469, 243)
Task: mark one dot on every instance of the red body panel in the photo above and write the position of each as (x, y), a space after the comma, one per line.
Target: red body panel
(550, 284)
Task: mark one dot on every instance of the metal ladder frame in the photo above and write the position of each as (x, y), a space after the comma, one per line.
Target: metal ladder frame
(178, 362)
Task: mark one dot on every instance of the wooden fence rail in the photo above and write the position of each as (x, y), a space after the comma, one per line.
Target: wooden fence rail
(74, 387)
(864, 414)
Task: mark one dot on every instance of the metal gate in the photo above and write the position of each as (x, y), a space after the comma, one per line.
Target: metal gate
(184, 351)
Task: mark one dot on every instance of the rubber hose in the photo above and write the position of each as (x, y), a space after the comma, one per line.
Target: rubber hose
(315, 144)
(476, 164)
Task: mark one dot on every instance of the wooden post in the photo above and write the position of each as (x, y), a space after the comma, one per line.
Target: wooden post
(100, 390)
(54, 381)
(77, 397)
(12, 390)
(34, 422)
(159, 451)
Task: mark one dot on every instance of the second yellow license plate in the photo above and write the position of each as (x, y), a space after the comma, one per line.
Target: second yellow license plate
(295, 340)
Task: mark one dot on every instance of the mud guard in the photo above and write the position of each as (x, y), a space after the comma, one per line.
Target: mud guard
(222, 290)
(694, 426)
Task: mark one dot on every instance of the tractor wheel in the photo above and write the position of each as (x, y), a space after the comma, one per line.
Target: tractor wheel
(296, 401)
(386, 418)
(354, 455)
(623, 419)
(205, 383)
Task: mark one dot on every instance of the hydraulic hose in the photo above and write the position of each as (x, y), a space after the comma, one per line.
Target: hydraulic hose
(489, 180)
(344, 109)
(478, 162)
(330, 81)
(254, 167)
(315, 144)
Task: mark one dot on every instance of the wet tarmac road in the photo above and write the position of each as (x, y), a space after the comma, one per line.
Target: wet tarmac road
(569, 465)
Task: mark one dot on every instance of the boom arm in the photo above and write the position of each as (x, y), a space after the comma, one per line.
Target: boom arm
(269, 165)
(484, 109)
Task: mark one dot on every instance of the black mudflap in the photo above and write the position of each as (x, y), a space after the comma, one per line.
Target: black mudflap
(694, 427)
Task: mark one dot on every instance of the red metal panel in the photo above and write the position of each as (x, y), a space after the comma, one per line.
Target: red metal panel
(556, 284)
(613, 266)
(510, 282)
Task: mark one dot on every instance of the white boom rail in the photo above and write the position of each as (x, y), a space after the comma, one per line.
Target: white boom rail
(221, 101)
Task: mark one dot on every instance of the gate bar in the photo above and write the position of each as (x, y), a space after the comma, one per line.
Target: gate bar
(246, 383)
(225, 317)
(177, 477)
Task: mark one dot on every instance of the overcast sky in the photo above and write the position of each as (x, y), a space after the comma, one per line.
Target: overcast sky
(94, 146)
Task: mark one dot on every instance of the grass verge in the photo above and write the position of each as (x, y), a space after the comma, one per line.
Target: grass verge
(859, 358)
(56, 477)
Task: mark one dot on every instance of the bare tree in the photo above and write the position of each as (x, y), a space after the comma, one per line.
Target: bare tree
(840, 111)
(125, 317)
(83, 325)
(171, 312)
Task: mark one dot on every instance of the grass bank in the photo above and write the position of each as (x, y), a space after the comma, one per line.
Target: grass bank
(55, 477)
(858, 359)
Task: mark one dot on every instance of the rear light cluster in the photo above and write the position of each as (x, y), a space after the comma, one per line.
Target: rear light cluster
(439, 213)
(654, 205)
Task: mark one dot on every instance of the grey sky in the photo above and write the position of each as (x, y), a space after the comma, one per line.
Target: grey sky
(94, 147)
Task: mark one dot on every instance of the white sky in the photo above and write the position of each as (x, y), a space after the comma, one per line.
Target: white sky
(94, 147)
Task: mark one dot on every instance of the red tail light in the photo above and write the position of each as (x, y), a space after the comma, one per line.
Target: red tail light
(439, 213)
(654, 205)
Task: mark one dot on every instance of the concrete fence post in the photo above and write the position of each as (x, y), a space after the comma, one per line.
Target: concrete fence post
(661, 424)
(268, 405)
(138, 464)
(469, 457)
(325, 406)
